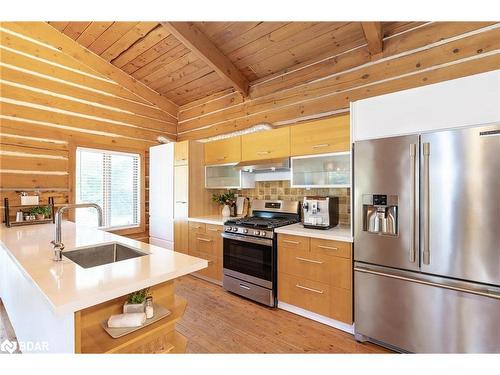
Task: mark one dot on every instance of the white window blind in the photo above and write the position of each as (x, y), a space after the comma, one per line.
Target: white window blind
(112, 180)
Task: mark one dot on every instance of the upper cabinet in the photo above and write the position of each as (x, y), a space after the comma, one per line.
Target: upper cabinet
(320, 137)
(181, 153)
(223, 151)
(266, 145)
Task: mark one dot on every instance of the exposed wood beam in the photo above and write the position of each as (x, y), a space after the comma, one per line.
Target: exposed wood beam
(188, 34)
(45, 33)
(374, 36)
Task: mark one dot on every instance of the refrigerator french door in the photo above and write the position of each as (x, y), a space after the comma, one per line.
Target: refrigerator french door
(427, 243)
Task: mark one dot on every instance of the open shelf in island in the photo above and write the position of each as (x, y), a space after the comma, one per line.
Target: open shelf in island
(158, 337)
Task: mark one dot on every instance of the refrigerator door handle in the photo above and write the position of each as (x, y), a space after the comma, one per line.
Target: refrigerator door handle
(483, 293)
(426, 252)
(413, 151)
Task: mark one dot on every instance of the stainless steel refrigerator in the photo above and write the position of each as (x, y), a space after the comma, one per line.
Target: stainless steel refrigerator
(427, 241)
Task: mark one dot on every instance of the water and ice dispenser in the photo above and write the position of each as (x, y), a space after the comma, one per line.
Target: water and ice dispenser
(380, 214)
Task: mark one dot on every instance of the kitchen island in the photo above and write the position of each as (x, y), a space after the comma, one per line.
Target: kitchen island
(59, 306)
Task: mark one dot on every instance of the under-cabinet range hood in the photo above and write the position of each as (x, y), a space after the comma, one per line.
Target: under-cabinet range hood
(267, 165)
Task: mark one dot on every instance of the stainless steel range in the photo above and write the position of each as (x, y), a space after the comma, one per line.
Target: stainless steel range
(250, 250)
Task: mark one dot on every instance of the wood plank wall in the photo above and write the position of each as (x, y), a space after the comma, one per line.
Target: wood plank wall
(431, 53)
(49, 104)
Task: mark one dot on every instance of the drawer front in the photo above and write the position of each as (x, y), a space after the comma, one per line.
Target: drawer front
(341, 305)
(214, 232)
(203, 244)
(214, 268)
(307, 294)
(331, 248)
(302, 263)
(266, 145)
(341, 273)
(288, 242)
(320, 137)
(223, 151)
(195, 227)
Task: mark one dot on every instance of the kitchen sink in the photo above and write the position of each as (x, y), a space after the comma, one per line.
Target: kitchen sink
(94, 256)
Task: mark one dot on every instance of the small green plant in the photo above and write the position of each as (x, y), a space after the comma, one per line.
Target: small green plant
(138, 297)
(224, 198)
(41, 210)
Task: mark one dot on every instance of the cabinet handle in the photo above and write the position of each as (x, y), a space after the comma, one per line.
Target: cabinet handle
(321, 145)
(309, 289)
(327, 247)
(183, 202)
(242, 286)
(204, 239)
(220, 158)
(213, 230)
(292, 242)
(195, 227)
(263, 152)
(309, 260)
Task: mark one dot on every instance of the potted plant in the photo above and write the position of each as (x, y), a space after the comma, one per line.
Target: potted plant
(225, 200)
(136, 301)
(40, 212)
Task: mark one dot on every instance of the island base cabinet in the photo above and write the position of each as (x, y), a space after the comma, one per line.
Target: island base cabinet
(159, 337)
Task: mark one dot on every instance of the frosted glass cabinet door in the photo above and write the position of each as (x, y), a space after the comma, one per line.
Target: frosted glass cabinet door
(222, 176)
(329, 170)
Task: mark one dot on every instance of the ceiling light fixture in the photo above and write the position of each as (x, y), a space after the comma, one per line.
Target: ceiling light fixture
(254, 129)
(163, 139)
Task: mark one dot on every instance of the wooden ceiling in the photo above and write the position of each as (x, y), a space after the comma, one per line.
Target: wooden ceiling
(151, 53)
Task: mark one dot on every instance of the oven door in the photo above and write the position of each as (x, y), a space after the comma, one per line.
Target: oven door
(249, 259)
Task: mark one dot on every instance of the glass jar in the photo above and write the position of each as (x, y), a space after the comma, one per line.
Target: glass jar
(149, 307)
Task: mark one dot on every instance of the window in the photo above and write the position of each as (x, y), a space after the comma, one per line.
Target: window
(112, 180)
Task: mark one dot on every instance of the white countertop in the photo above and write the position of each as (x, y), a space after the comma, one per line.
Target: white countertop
(212, 219)
(336, 234)
(69, 287)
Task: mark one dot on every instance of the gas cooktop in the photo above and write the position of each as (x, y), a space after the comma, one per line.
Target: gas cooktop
(262, 222)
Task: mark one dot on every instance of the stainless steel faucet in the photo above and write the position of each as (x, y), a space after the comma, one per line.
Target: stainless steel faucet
(58, 245)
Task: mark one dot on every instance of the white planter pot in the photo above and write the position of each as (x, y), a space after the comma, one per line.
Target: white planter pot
(226, 211)
(133, 307)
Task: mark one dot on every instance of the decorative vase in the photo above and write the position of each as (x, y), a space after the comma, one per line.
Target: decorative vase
(40, 216)
(226, 211)
(134, 307)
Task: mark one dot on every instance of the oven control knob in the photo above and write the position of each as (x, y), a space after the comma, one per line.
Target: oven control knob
(245, 230)
(263, 234)
(256, 233)
(234, 229)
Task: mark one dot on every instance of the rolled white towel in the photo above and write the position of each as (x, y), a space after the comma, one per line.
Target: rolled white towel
(126, 320)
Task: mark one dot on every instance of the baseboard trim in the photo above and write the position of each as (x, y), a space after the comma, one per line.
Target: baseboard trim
(349, 328)
(210, 280)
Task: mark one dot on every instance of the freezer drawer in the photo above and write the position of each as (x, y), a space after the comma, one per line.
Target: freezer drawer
(418, 316)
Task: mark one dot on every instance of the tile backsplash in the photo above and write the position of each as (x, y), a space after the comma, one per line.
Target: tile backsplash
(282, 190)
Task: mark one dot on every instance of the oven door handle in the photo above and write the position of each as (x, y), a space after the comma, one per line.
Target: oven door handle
(259, 241)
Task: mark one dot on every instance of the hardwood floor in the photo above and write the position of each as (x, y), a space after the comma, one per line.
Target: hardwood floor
(6, 330)
(219, 322)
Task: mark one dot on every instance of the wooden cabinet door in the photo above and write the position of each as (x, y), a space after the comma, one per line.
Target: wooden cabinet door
(266, 145)
(320, 137)
(181, 236)
(223, 151)
(181, 153)
(181, 190)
